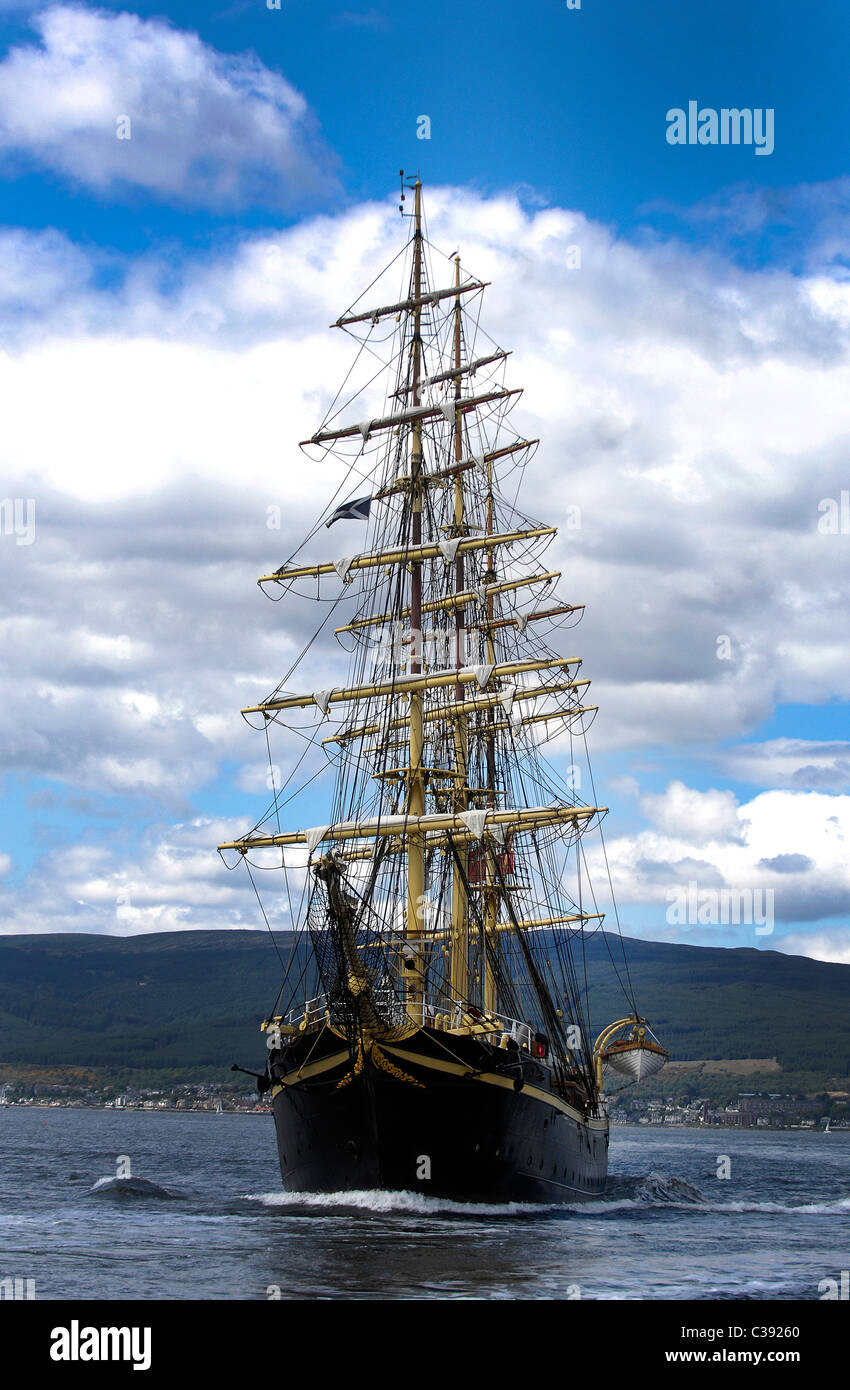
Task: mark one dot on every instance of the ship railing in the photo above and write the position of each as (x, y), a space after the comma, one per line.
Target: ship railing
(444, 1014)
(388, 1003)
(457, 1017)
(310, 1011)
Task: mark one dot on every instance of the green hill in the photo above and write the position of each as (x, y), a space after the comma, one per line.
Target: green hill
(186, 1001)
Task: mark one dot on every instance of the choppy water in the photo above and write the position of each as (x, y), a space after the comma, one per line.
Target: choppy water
(201, 1216)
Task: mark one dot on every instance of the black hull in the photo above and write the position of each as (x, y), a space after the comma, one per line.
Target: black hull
(414, 1116)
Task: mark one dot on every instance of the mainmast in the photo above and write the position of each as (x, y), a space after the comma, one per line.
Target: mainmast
(416, 916)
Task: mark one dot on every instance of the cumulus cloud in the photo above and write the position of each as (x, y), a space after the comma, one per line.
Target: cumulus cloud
(174, 880)
(692, 412)
(819, 945)
(792, 762)
(697, 816)
(205, 128)
(788, 863)
(793, 844)
(133, 633)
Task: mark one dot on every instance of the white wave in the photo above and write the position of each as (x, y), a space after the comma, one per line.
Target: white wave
(380, 1201)
(841, 1204)
(101, 1183)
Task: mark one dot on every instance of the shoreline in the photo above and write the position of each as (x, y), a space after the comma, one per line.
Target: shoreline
(175, 1110)
(128, 1109)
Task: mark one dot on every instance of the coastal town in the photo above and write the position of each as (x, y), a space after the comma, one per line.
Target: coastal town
(184, 1097)
(749, 1110)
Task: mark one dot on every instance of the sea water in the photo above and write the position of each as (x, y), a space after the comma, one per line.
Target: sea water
(99, 1204)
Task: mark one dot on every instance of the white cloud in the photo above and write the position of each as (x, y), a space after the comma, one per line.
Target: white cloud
(793, 843)
(36, 267)
(819, 945)
(206, 128)
(701, 817)
(156, 420)
(174, 881)
(219, 375)
(792, 762)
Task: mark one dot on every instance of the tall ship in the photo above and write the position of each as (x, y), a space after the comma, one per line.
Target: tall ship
(433, 1030)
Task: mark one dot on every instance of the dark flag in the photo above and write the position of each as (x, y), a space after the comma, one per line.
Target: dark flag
(358, 510)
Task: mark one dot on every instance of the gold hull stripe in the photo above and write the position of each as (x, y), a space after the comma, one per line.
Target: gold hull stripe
(313, 1069)
(437, 1064)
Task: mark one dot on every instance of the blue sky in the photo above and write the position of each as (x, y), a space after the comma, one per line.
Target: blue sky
(570, 104)
(702, 353)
